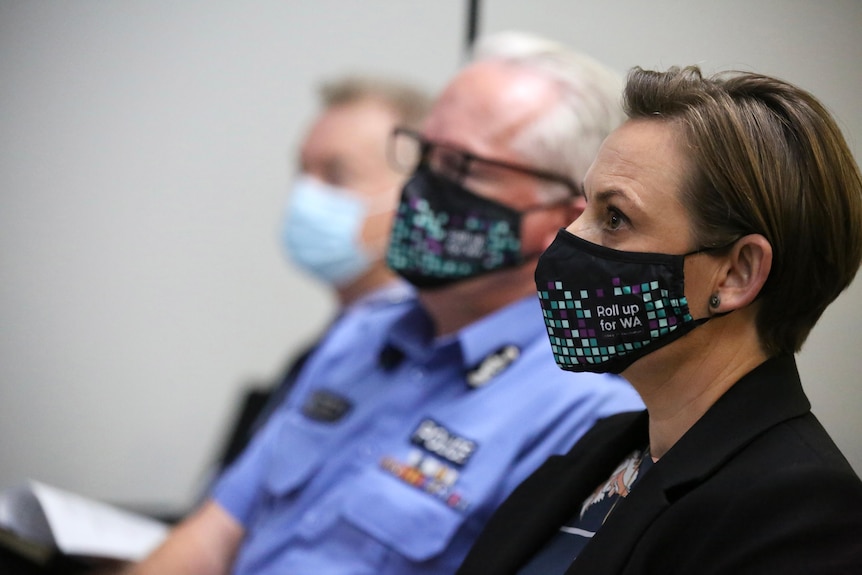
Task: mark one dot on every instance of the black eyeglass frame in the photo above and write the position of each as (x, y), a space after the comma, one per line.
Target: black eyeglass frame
(465, 158)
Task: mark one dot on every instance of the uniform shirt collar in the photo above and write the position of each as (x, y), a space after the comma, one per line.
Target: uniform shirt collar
(518, 324)
(396, 291)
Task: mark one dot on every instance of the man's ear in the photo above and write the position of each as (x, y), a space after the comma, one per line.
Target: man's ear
(748, 265)
(576, 207)
(563, 215)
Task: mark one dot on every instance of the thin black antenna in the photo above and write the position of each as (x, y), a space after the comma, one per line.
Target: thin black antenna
(472, 24)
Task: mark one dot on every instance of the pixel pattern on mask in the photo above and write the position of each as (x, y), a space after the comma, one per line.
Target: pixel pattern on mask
(571, 319)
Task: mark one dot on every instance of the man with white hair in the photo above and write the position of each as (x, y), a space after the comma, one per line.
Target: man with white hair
(392, 452)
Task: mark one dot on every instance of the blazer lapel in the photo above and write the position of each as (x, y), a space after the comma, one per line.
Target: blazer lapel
(770, 394)
(575, 476)
(552, 494)
(608, 551)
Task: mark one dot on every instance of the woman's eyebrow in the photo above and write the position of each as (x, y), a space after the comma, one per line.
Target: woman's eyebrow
(607, 195)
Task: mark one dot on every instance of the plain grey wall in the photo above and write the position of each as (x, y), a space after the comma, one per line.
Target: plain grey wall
(145, 151)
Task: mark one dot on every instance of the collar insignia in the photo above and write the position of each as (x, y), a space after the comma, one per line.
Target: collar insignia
(492, 365)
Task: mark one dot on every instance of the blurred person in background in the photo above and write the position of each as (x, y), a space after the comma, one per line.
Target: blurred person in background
(338, 214)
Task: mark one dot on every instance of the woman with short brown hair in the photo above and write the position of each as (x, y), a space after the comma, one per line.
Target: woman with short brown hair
(722, 218)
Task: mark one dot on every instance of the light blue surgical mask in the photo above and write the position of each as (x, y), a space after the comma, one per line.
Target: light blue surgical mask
(321, 231)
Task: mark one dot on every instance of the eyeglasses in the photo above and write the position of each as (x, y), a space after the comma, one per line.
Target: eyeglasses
(408, 149)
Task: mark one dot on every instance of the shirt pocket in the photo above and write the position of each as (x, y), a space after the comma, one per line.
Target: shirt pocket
(298, 451)
(415, 524)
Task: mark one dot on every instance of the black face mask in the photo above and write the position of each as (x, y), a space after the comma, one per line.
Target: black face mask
(444, 233)
(605, 308)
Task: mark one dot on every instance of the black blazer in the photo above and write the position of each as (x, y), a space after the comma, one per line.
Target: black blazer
(755, 486)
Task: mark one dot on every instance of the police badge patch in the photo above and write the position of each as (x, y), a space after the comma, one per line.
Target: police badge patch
(326, 406)
(436, 439)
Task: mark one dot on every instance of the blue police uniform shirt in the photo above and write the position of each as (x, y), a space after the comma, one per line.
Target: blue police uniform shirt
(395, 446)
(394, 292)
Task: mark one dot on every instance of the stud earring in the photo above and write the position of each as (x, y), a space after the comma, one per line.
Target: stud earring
(714, 301)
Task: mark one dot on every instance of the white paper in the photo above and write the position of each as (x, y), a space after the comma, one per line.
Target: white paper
(21, 513)
(78, 525)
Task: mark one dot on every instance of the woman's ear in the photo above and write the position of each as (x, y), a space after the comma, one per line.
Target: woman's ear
(748, 265)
